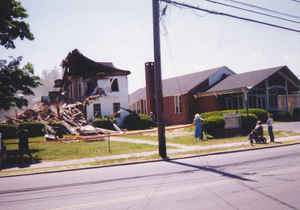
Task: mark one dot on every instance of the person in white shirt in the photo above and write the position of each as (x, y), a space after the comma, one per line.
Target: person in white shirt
(270, 127)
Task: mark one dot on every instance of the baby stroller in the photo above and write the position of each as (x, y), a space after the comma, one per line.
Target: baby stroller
(258, 136)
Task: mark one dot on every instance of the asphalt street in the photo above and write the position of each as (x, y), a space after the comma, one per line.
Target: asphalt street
(254, 179)
(288, 126)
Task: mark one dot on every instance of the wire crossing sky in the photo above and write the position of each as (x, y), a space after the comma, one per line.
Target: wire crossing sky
(229, 15)
(121, 32)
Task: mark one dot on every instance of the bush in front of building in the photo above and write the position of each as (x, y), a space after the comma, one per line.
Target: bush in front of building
(214, 126)
(215, 113)
(8, 131)
(261, 114)
(281, 116)
(137, 122)
(248, 123)
(296, 114)
(104, 123)
(146, 121)
(34, 128)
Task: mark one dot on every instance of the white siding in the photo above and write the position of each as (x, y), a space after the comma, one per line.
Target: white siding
(218, 75)
(112, 97)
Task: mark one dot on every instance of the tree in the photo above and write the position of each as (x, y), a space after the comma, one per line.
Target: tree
(15, 83)
(11, 26)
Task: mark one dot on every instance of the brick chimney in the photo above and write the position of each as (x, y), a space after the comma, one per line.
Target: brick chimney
(150, 88)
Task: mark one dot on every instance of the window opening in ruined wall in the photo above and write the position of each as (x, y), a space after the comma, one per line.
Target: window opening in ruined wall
(97, 110)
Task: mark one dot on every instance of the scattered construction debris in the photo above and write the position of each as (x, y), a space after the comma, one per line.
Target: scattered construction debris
(61, 118)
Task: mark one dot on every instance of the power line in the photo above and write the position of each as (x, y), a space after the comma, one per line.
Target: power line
(265, 9)
(260, 13)
(229, 15)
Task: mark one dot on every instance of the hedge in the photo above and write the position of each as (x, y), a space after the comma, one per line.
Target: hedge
(214, 126)
(248, 122)
(296, 114)
(136, 122)
(215, 113)
(9, 131)
(34, 128)
(281, 116)
(261, 114)
(104, 123)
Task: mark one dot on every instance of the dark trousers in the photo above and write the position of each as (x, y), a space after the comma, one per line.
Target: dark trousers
(23, 147)
(270, 130)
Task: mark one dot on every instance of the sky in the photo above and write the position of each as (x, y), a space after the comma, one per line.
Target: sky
(121, 32)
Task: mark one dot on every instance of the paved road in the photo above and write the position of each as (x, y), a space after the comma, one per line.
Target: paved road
(256, 179)
(289, 126)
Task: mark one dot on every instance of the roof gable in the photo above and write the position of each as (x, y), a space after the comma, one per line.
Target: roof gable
(137, 95)
(183, 84)
(178, 85)
(245, 80)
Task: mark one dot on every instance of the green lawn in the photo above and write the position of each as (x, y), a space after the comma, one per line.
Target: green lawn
(59, 151)
(185, 136)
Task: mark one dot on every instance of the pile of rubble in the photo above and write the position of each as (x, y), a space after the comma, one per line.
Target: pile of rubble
(69, 117)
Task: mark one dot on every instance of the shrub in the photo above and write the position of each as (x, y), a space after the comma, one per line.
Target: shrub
(131, 121)
(136, 122)
(281, 116)
(261, 114)
(215, 113)
(248, 122)
(214, 126)
(296, 114)
(146, 121)
(104, 123)
(8, 131)
(34, 128)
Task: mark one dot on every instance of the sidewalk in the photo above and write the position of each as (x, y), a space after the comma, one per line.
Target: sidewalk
(182, 148)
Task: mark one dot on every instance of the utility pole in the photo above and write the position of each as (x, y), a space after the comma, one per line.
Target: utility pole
(158, 81)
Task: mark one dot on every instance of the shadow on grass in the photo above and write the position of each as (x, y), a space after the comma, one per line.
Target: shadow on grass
(13, 158)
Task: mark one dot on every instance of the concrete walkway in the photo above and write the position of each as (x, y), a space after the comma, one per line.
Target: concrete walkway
(181, 148)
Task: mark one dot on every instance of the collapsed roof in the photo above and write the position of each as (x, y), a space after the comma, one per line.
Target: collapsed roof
(76, 64)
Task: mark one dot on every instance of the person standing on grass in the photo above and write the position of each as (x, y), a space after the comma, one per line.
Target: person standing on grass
(270, 127)
(152, 116)
(23, 144)
(198, 129)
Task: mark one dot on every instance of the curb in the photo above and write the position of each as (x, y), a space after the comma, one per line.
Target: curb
(149, 161)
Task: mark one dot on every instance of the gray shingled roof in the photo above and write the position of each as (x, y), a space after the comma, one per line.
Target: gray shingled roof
(137, 95)
(244, 80)
(177, 85)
